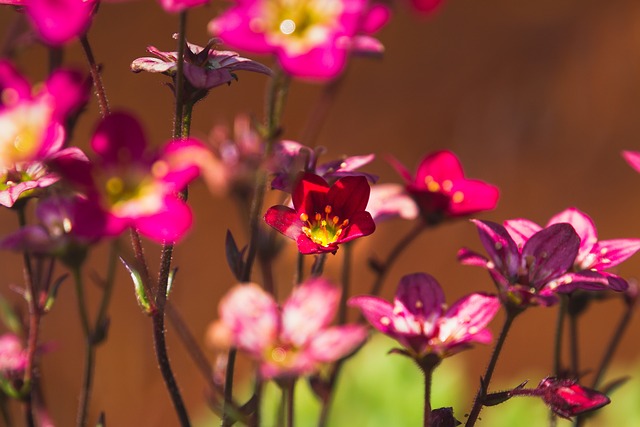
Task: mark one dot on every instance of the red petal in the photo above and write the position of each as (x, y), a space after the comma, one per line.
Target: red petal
(310, 194)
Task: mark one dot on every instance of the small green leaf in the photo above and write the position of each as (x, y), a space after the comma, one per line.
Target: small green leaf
(141, 294)
(9, 317)
(53, 292)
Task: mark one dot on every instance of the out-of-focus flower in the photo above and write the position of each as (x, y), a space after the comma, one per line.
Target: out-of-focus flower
(132, 187)
(32, 129)
(633, 158)
(13, 356)
(594, 256)
(533, 273)
(426, 7)
(441, 190)
(311, 38)
(292, 341)
(290, 158)
(204, 67)
(565, 396)
(324, 216)
(57, 21)
(175, 6)
(419, 321)
(389, 201)
(58, 233)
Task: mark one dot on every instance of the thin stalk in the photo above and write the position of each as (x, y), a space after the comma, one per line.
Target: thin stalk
(321, 110)
(318, 265)
(486, 379)
(428, 374)
(557, 346)
(346, 282)
(613, 345)
(289, 392)
(383, 269)
(179, 78)
(573, 344)
(107, 292)
(89, 352)
(299, 274)
(276, 96)
(94, 71)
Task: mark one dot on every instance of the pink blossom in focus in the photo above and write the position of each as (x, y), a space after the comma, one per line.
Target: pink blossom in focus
(311, 38)
(594, 256)
(32, 129)
(129, 186)
(441, 190)
(420, 322)
(293, 340)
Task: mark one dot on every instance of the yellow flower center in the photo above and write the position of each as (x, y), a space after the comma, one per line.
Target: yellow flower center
(324, 229)
(297, 25)
(22, 131)
(131, 193)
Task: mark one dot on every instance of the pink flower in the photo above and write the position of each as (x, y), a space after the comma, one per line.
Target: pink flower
(324, 216)
(289, 341)
(175, 6)
(311, 38)
(420, 322)
(565, 396)
(13, 357)
(441, 190)
(132, 187)
(426, 7)
(31, 129)
(389, 201)
(594, 256)
(204, 67)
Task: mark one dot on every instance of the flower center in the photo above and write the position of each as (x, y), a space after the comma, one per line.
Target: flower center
(131, 193)
(323, 230)
(298, 25)
(445, 188)
(22, 131)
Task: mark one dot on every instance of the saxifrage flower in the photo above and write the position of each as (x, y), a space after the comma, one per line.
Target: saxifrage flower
(32, 129)
(530, 274)
(594, 256)
(129, 186)
(441, 190)
(289, 341)
(324, 216)
(419, 321)
(311, 38)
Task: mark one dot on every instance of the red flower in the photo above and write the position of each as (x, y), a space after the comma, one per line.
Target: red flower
(324, 216)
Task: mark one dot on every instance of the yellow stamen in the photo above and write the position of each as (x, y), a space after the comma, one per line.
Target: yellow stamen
(458, 197)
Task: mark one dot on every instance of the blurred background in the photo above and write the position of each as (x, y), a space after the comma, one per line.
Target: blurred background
(538, 98)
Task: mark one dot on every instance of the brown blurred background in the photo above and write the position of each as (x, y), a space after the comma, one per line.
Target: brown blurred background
(538, 98)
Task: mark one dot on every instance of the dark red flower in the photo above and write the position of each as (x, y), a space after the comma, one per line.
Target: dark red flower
(324, 216)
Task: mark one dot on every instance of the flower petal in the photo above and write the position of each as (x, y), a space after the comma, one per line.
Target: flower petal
(469, 196)
(550, 253)
(349, 195)
(609, 253)
(119, 139)
(500, 247)
(467, 318)
(421, 295)
(168, 225)
(521, 230)
(377, 311)
(285, 220)
(310, 194)
(582, 224)
(440, 166)
(310, 308)
(360, 224)
(334, 343)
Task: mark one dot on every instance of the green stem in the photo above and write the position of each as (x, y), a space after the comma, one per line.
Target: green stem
(383, 269)
(486, 379)
(89, 356)
(428, 374)
(101, 319)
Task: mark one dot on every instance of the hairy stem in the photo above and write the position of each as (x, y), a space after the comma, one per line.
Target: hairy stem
(87, 377)
(486, 379)
(94, 71)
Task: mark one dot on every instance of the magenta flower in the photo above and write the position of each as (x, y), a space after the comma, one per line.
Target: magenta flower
(204, 67)
(57, 21)
(419, 321)
(426, 7)
(593, 257)
(565, 397)
(324, 216)
(311, 38)
(132, 187)
(175, 6)
(31, 129)
(289, 341)
(530, 274)
(441, 190)
(633, 158)
(290, 158)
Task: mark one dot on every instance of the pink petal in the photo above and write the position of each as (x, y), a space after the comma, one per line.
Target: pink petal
(500, 247)
(469, 196)
(377, 311)
(467, 318)
(609, 253)
(440, 166)
(285, 220)
(69, 91)
(203, 78)
(554, 250)
(426, 7)
(521, 230)
(360, 224)
(174, 6)
(59, 21)
(387, 201)
(13, 86)
(633, 158)
(583, 225)
(400, 168)
(152, 65)
(420, 295)
(334, 343)
(468, 257)
(309, 309)
(119, 139)
(252, 317)
(348, 196)
(319, 64)
(169, 225)
(377, 17)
